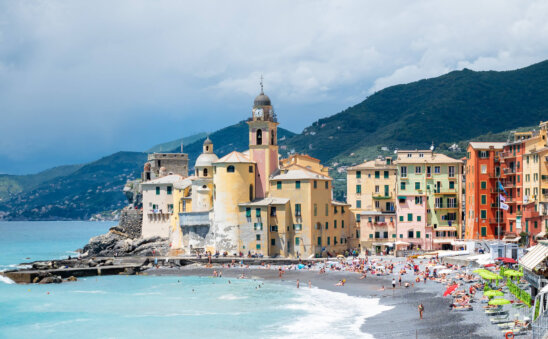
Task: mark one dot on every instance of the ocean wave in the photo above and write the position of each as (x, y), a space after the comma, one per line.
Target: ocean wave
(231, 297)
(6, 280)
(330, 314)
(91, 292)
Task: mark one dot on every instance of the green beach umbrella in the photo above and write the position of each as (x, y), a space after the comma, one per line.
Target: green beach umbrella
(493, 293)
(499, 301)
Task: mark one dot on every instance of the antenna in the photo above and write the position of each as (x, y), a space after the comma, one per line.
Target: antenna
(432, 147)
(181, 147)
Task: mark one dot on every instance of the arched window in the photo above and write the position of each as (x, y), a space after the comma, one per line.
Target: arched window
(272, 137)
(205, 172)
(230, 169)
(259, 137)
(207, 148)
(250, 192)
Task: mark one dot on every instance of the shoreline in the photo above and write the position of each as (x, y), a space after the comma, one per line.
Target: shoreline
(401, 321)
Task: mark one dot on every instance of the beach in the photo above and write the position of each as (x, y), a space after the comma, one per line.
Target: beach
(400, 320)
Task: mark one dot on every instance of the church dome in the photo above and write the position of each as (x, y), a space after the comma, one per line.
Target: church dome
(206, 160)
(262, 100)
(208, 141)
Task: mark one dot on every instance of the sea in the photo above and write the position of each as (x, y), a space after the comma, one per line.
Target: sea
(159, 306)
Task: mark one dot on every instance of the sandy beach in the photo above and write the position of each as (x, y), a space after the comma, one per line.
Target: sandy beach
(402, 321)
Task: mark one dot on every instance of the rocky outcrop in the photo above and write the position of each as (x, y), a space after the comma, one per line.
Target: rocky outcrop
(114, 244)
(131, 222)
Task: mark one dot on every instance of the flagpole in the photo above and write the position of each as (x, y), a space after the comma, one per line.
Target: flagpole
(498, 210)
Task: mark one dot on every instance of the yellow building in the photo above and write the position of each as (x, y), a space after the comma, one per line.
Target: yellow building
(371, 193)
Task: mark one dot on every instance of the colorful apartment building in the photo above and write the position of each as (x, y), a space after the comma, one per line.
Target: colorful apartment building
(371, 193)
(483, 173)
(428, 199)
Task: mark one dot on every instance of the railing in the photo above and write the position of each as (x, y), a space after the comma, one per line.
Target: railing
(505, 155)
(496, 221)
(509, 170)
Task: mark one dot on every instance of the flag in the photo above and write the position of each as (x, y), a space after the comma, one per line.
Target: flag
(504, 206)
(501, 197)
(501, 188)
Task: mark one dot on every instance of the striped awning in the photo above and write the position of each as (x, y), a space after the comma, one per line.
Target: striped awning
(535, 256)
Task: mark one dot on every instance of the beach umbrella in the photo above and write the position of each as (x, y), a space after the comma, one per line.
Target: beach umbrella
(450, 290)
(489, 265)
(446, 271)
(499, 301)
(507, 260)
(493, 293)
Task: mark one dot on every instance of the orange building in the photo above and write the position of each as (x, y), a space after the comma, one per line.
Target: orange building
(482, 174)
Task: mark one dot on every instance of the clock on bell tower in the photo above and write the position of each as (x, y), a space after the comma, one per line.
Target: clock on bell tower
(263, 144)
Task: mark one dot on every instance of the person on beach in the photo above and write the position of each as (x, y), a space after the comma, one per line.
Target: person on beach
(298, 282)
(421, 309)
(399, 279)
(393, 283)
(309, 284)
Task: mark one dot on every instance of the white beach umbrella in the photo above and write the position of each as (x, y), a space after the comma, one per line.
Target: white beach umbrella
(446, 271)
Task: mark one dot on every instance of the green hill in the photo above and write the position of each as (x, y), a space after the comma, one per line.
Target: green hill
(11, 185)
(450, 108)
(91, 189)
(176, 144)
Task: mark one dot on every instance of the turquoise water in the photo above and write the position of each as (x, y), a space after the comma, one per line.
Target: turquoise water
(160, 307)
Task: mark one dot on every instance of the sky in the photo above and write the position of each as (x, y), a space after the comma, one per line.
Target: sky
(83, 79)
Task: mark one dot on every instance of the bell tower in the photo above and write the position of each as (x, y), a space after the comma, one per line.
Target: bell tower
(263, 142)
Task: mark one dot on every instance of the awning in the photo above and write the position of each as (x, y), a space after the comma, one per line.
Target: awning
(399, 242)
(540, 235)
(511, 239)
(443, 241)
(382, 244)
(458, 243)
(401, 197)
(535, 256)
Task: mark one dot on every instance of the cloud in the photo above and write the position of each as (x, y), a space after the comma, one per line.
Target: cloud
(83, 79)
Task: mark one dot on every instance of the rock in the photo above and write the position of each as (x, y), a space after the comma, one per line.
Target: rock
(72, 278)
(92, 263)
(51, 280)
(129, 271)
(108, 262)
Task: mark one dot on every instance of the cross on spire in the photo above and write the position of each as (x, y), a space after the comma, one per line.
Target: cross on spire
(262, 84)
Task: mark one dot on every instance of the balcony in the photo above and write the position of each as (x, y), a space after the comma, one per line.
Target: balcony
(382, 197)
(507, 155)
(508, 171)
(496, 221)
(448, 207)
(509, 184)
(448, 191)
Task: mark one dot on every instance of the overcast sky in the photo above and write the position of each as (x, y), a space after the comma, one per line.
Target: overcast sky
(83, 79)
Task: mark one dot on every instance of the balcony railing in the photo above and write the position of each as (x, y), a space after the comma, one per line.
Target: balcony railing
(506, 155)
(509, 170)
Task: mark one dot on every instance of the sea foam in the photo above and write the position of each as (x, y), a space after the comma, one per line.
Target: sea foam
(6, 280)
(327, 314)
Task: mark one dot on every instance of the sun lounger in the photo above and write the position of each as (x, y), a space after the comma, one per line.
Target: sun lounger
(499, 319)
(493, 313)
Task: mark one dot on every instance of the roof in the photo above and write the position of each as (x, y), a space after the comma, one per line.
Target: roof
(486, 145)
(168, 179)
(303, 174)
(535, 256)
(373, 164)
(180, 185)
(206, 159)
(234, 157)
(427, 157)
(267, 202)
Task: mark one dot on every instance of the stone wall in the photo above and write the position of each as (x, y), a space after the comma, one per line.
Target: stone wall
(131, 222)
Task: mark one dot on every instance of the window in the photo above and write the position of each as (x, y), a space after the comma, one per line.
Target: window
(404, 171)
(248, 212)
(377, 190)
(258, 237)
(418, 234)
(250, 169)
(315, 184)
(273, 242)
(377, 235)
(439, 203)
(483, 214)
(170, 209)
(258, 213)
(451, 185)
(484, 154)
(326, 210)
(358, 174)
(428, 171)
(358, 204)
(483, 199)
(298, 184)
(258, 226)
(409, 155)
(358, 217)
(483, 185)
(157, 190)
(230, 169)
(327, 185)
(386, 191)
(386, 174)
(273, 211)
(409, 216)
(410, 234)
(370, 236)
(319, 241)
(335, 240)
(437, 169)
(419, 218)
(377, 204)
(483, 231)
(358, 189)
(418, 169)
(334, 223)
(297, 241)
(258, 246)
(298, 227)
(451, 171)
(418, 200)
(401, 217)
(297, 210)
(259, 137)
(328, 241)
(274, 228)
(251, 191)
(342, 224)
(417, 185)
(377, 174)
(205, 172)
(483, 169)
(279, 185)
(326, 225)
(315, 210)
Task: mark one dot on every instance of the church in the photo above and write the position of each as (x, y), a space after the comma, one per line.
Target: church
(254, 202)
